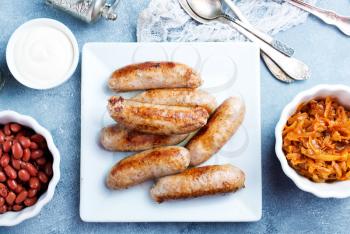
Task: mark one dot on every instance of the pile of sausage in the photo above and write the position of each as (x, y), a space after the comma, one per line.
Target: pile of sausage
(164, 115)
(25, 167)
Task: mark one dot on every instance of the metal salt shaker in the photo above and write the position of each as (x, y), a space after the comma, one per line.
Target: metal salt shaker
(87, 10)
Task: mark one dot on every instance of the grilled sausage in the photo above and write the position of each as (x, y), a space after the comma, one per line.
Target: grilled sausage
(200, 181)
(154, 75)
(148, 165)
(220, 128)
(178, 97)
(157, 119)
(118, 138)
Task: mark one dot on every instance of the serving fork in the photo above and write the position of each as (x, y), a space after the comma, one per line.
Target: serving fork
(327, 16)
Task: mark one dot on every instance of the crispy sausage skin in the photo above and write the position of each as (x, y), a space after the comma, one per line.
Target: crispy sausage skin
(118, 138)
(157, 119)
(178, 97)
(200, 181)
(148, 165)
(220, 128)
(153, 75)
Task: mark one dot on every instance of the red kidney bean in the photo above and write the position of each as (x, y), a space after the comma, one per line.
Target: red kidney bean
(43, 177)
(25, 142)
(21, 197)
(34, 182)
(34, 146)
(11, 197)
(30, 201)
(48, 169)
(3, 209)
(41, 161)
(42, 187)
(2, 136)
(20, 134)
(10, 172)
(40, 140)
(7, 130)
(4, 160)
(15, 127)
(7, 146)
(26, 155)
(16, 164)
(17, 151)
(31, 169)
(23, 175)
(2, 201)
(32, 192)
(37, 138)
(37, 154)
(2, 176)
(17, 207)
(3, 190)
(12, 184)
(0, 152)
(19, 189)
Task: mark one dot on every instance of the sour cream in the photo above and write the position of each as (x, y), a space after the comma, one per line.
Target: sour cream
(42, 53)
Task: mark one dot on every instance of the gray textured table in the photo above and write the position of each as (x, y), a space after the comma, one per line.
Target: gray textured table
(285, 208)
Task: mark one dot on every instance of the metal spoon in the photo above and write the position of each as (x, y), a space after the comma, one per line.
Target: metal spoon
(207, 7)
(211, 10)
(273, 67)
(329, 17)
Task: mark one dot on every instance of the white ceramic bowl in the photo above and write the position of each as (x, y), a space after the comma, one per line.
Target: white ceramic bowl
(12, 218)
(322, 190)
(10, 52)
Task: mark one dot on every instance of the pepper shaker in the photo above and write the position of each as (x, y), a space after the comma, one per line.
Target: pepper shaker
(87, 10)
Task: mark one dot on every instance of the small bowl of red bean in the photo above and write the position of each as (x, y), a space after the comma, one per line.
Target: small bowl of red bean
(29, 167)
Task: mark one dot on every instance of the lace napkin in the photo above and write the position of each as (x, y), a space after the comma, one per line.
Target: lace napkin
(164, 20)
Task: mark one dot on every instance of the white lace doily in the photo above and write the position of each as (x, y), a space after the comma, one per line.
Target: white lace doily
(164, 20)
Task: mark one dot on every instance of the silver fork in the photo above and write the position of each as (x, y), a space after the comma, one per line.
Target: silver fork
(329, 17)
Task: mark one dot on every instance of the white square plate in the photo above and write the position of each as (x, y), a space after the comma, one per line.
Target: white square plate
(227, 69)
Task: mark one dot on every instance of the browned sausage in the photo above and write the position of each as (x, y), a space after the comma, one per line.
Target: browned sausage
(178, 97)
(220, 128)
(148, 165)
(157, 119)
(118, 138)
(200, 181)
(153, 75)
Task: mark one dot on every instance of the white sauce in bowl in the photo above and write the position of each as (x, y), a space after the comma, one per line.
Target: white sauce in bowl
(42, 53)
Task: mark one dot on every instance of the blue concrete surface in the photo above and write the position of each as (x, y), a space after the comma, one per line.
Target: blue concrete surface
(286, 209)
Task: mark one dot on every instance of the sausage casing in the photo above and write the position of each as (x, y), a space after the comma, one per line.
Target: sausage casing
(153, 75)
(148, 165)
(178, 97)
(220, 128)
(118, 138)
(200, 181)
(157, 119)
